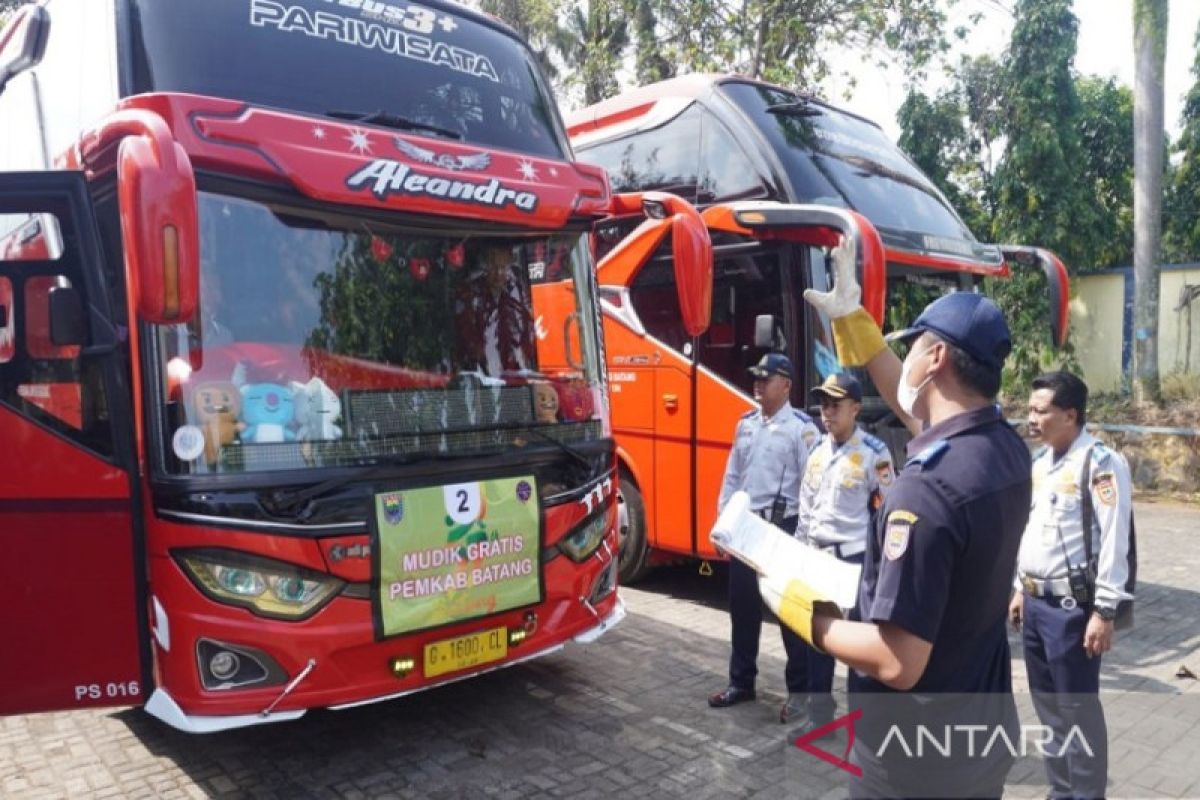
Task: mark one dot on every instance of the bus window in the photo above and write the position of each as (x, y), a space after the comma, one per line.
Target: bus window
(657, 305)
(664, 159)
(727, 173)
(744, 287)
(48, 382)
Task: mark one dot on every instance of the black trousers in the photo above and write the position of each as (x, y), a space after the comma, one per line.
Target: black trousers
(820, 671)
(746, 616)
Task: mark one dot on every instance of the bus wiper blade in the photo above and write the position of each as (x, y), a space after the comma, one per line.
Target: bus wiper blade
(393, 121)
(569, 450)
(796, 108)
(297, 502)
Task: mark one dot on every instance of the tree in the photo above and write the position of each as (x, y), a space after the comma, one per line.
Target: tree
(1150, 52)
(1181, 239)
(791, 42)
(592, 43)
(952, 137)
(1106, 133)
(535, 20)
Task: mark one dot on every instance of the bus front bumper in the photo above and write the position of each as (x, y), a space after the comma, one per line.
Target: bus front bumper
(164, 707)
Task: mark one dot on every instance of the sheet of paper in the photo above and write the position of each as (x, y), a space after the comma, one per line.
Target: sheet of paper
(780, 557)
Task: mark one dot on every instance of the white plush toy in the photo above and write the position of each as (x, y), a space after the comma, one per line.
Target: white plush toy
(317, 409)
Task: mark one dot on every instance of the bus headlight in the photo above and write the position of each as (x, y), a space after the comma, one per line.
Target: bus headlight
(266, 587)
(580, 543)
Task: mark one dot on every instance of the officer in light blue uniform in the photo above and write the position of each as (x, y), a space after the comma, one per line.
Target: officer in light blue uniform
(1074, 570)
(848, 475)
(770, 451)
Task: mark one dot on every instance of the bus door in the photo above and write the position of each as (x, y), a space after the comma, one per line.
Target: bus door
(68, 563)
(749, 281)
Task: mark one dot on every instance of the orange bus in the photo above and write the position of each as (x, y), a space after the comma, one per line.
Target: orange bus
(765, 164)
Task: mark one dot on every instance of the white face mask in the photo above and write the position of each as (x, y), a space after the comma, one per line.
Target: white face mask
(906, 395)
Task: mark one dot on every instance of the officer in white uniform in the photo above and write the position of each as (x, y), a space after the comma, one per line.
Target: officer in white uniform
(770, 450)
(848, 474)
(1073, 571)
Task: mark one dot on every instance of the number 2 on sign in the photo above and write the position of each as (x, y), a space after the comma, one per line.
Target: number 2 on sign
(462, 502)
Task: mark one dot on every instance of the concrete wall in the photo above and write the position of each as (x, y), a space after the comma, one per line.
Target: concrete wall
(1173, 355)
(1101, 327)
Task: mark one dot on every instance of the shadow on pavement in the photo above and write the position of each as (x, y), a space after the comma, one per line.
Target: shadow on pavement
(684, 582)
(625, 716)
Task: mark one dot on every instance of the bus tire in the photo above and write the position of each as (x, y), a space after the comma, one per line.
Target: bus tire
(634, 551)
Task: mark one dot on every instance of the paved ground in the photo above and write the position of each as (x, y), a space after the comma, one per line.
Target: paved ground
(624, 717)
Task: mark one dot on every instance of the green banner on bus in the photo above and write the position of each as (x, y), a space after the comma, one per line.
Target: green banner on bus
(450, 553)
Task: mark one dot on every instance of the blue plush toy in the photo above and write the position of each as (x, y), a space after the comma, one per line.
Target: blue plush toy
(267, 409)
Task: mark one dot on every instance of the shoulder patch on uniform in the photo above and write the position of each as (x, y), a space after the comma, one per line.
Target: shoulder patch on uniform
(1105, 484)
(875, 443)
(930, 454)
(897, 533)
(883, 472)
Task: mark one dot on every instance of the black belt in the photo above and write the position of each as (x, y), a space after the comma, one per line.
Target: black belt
(843, 550)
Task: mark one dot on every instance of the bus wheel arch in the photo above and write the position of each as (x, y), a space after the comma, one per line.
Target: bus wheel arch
(633, 544)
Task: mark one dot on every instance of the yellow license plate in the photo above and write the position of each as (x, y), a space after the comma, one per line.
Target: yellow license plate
(451, 655)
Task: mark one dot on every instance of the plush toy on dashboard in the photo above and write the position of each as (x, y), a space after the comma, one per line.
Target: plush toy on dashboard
(267, 409)
(545, 402)
(317, 409)
(216, 405)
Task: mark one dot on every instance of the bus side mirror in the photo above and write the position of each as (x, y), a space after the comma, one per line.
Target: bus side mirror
(1057, 280)
(23, 41)
(66, 316)
(691, 252)
(159, 223)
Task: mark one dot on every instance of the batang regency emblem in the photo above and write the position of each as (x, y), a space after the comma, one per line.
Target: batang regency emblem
(393, 508)
(897, 534)
(475, 161)
(1106, 487)
(524, 491)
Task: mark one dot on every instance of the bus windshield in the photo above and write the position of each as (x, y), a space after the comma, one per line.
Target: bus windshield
(326, 341)
(834, 158)
(422, 68)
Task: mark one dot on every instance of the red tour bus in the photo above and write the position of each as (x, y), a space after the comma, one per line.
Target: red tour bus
(780, 176)
(301, 372)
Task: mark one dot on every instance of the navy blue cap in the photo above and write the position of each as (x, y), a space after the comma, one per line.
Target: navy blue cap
(968, 321)
(772, 364)
(839, 385)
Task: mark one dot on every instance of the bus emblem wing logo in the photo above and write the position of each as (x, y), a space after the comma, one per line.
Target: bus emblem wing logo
(475, 161)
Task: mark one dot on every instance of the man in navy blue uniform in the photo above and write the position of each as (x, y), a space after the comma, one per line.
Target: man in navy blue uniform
(934, 594)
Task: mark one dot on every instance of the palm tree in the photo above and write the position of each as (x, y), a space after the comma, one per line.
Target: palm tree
(1150, 51)
(592, 44)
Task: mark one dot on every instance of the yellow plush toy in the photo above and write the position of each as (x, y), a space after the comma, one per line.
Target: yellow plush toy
(545, 402)
(217, 405)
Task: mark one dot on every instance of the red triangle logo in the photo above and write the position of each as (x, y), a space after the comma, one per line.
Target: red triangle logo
(846, 721)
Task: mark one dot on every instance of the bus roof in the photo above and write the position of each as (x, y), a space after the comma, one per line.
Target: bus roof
(655, 103)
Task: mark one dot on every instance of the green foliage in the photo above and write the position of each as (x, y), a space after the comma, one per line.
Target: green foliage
(1063, 178)
(791, 42)
(584, 44)
(1106, 133)
(592, 43)
(1181, 234)
(1041, 197)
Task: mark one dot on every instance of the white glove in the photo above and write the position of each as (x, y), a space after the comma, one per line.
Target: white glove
(846, 296)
